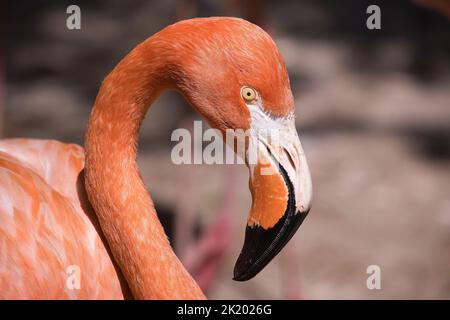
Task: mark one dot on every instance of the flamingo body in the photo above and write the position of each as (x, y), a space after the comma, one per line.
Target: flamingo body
(46, 225)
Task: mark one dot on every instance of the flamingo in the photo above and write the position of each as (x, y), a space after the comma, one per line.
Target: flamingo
(63, 206)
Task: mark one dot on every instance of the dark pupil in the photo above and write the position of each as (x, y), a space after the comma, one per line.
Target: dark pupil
(248, 93)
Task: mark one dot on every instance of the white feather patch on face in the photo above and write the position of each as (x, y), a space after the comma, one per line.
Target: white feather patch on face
(279, 135)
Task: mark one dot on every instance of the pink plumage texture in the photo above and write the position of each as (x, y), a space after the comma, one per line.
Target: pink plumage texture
(46, 225)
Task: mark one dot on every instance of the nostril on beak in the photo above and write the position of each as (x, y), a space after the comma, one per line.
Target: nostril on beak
(289, 156)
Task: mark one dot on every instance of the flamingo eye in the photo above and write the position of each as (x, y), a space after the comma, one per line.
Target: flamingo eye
(248, 94)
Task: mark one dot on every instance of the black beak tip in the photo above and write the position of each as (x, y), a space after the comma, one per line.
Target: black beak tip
(240, 276)
(262, 245)
(243, 270)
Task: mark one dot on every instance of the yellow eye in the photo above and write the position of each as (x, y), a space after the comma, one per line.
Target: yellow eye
(248, 94)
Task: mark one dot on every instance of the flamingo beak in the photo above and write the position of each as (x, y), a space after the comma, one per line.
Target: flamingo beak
(281, 189)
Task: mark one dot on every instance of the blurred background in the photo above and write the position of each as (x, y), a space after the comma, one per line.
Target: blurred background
(373, 113)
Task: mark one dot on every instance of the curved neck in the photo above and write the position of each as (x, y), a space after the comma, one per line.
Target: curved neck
(113, 183)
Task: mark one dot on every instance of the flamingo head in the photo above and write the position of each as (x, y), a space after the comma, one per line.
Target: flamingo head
(233, 74)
